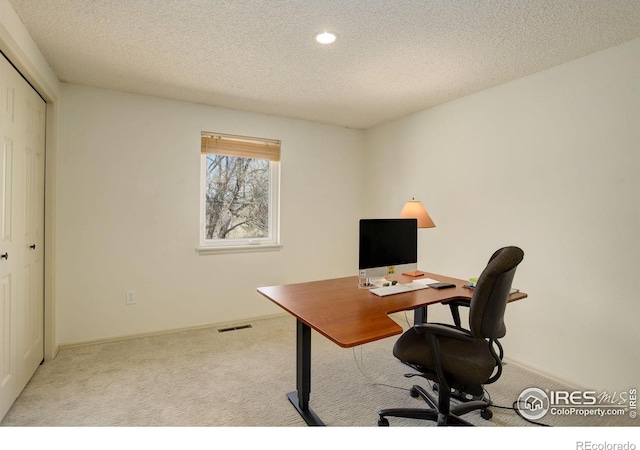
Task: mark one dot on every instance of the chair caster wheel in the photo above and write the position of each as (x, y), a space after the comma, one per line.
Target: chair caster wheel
(414, 392)
(486, 414)
(383, 422)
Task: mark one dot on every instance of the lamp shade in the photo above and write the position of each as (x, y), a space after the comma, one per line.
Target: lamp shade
(413, 209)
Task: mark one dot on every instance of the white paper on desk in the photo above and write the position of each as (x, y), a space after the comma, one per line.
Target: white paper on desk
(425, 281)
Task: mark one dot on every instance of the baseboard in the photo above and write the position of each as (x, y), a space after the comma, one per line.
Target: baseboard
(162, 332)
(568, 383)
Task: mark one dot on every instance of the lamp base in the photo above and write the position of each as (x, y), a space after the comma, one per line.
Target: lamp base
(415, 273)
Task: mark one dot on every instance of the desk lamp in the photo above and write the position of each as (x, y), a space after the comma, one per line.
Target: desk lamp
(413, 209)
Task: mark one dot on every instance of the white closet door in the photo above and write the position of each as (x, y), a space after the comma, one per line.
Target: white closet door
(29, 172)
(22, 149)
(9, 82)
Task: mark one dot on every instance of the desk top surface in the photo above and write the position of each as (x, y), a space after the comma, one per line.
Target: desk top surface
(350, 316)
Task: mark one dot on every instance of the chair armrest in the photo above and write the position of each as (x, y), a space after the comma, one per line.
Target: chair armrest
(443, 330)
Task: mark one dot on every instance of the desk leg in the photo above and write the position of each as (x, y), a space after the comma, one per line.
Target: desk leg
(300, 397)
(420, 315)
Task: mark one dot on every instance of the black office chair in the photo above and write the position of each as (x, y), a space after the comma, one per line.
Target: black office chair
(459, 359)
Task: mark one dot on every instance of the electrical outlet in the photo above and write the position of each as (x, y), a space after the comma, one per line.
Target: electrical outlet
(131, 298)
(362, 274)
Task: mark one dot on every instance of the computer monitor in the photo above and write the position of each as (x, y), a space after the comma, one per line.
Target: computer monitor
(385, 243)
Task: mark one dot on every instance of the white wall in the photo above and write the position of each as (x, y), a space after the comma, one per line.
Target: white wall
(550, 163)
(128, 214)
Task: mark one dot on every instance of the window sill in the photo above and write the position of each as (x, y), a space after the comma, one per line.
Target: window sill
(238, 249)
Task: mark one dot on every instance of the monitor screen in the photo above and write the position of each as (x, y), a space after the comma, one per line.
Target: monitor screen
(387, 242)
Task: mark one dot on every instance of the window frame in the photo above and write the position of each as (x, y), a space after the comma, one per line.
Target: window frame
(269, 243)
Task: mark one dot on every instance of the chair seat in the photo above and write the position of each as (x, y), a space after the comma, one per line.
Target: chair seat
(465, 363)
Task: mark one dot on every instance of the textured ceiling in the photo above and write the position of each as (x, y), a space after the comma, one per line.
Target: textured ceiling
(392, 57)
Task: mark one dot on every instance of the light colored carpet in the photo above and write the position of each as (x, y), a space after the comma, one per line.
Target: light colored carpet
(239, 379)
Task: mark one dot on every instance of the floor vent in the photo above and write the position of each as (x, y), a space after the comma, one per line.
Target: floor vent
(239, 327)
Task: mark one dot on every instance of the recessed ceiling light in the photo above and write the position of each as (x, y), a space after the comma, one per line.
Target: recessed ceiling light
(325, 38)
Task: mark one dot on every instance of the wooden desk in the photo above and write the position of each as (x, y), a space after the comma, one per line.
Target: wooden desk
(348, 316)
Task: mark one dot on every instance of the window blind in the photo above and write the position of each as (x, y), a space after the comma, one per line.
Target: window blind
(240, 146)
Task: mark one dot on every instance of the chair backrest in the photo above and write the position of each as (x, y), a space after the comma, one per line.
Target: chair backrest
(489, 301)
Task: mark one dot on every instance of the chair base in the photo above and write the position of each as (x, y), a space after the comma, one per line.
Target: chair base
(423, 414)
(444, 418)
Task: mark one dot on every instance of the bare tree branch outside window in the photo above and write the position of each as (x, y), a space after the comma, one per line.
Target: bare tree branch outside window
(237, 197)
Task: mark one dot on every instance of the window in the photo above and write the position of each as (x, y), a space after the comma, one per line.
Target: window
(240, 178)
